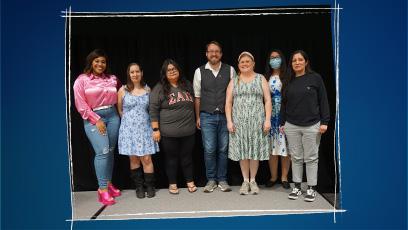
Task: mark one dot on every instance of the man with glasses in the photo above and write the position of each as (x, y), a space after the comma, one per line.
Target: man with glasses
(210, 84)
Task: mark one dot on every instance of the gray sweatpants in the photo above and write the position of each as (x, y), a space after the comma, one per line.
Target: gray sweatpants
(303, 143)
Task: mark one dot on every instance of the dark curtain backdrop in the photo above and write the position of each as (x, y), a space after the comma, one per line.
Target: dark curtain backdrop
(150, 40)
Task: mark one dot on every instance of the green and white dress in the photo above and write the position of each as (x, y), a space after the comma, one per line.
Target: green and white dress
(248, 115)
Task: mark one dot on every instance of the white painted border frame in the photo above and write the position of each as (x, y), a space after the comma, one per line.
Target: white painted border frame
(67, 14)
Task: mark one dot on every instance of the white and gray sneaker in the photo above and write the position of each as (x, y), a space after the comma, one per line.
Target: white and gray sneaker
(296, 192)
(244, 190)
(254, 187)
(310, 195)
(223, 185)
(210, 186)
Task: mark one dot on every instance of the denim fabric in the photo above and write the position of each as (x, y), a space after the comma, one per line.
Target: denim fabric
(215, 142)
(104, 145)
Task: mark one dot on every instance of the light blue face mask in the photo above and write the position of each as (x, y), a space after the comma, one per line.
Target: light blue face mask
(275, 63)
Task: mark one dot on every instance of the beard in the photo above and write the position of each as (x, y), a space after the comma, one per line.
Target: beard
(214, 61)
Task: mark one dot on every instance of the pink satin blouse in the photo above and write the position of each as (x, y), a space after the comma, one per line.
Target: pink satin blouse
(91, 91)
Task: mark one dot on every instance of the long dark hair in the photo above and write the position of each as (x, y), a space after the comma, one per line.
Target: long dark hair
(181, 82)
(129, 84)
(308, 68)
(283, 75)
(91, 56)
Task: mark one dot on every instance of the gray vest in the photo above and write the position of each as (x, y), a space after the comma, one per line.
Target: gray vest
(213, 89)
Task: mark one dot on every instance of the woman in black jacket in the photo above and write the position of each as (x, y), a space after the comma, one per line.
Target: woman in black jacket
(304, 117)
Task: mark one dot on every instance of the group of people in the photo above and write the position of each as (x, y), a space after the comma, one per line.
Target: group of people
(243, 116)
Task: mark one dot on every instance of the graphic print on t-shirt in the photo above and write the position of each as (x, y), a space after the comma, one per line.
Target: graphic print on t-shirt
(181, 96)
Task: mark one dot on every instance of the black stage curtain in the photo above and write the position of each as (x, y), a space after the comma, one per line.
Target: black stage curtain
(150, 40)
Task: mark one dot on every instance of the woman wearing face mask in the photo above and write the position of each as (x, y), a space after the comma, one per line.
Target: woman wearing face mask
(95, 94)
(135, 133)
(276, 72)
(305, 115)
(248, 113)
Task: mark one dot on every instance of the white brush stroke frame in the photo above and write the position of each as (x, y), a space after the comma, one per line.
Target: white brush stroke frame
(336, 23)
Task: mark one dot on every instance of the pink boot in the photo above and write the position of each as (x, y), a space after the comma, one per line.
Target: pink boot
(105, 198)
(114, 192)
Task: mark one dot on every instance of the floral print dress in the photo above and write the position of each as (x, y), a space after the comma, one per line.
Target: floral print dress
(135, 133)
(248, 115)
(278, 141)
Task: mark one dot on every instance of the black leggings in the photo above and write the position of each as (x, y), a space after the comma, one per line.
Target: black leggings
(178, 148)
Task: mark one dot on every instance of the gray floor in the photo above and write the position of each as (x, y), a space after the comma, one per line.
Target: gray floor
(333, 198)
(184, 205)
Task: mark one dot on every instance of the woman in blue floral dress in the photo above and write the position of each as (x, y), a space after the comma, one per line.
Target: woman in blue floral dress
(276, 72)
(135, 133)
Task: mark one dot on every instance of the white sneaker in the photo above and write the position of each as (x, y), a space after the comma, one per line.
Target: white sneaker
(254, 188)
(244, 190)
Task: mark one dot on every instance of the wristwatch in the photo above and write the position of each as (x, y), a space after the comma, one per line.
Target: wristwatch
(155, 129)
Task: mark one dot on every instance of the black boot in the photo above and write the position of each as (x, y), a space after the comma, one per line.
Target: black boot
(137, 176)
(150, 185)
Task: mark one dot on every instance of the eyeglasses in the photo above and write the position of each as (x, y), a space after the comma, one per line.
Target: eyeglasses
(172, 70)
(214, 51)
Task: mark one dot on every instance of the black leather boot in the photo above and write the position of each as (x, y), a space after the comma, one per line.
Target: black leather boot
(149, 181)
(137, 177)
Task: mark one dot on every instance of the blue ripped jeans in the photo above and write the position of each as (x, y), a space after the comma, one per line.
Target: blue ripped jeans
(104, 145)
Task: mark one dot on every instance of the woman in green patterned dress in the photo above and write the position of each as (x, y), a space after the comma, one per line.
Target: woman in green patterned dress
(248, 110)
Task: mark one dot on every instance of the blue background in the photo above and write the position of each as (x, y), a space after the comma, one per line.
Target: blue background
(373, 108)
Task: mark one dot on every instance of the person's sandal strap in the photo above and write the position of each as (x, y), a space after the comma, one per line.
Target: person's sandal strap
(173, 189)
(191, 188)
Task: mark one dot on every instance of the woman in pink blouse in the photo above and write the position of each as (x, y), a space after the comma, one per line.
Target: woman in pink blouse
(95, 96)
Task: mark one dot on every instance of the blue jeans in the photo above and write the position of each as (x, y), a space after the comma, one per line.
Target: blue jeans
(215, 142)
(104, 145)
